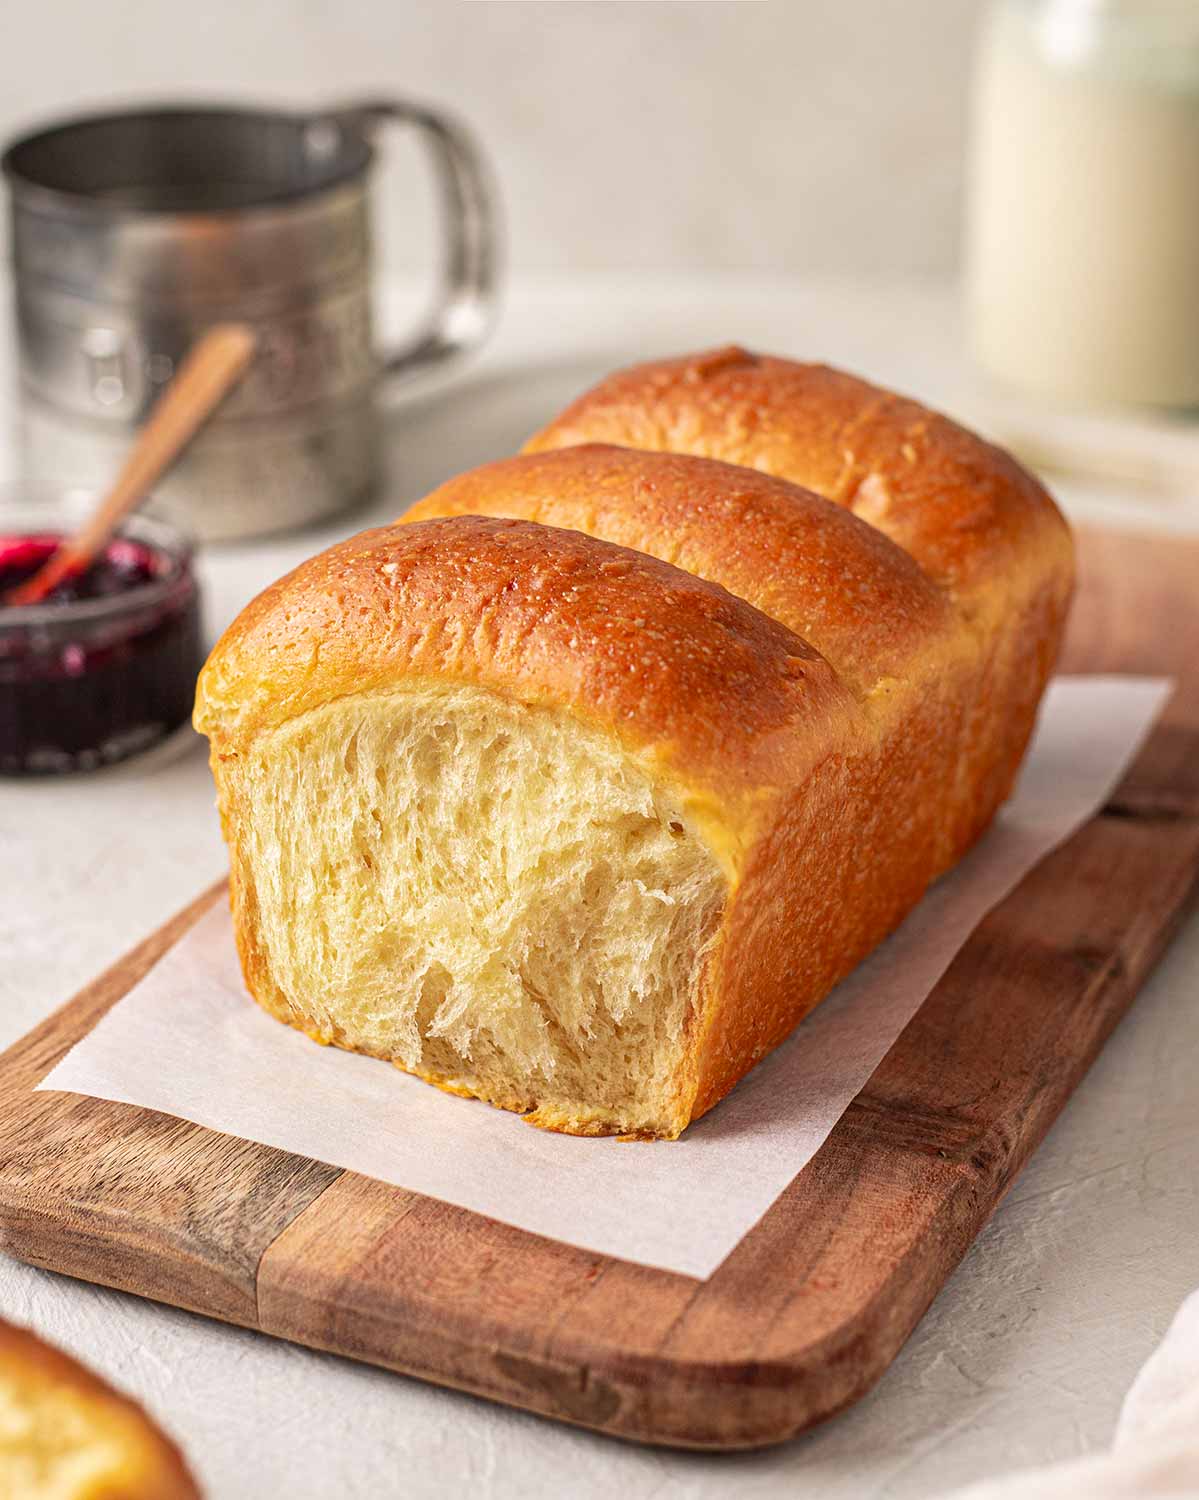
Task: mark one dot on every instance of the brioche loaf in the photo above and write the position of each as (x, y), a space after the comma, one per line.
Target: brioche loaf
(67, 1435)
(577, 789)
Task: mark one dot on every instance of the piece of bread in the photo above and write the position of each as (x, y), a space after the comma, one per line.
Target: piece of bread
(65, 1434)
(576, 791)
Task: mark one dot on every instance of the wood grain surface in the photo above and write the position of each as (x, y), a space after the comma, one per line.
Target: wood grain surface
(808, 1311)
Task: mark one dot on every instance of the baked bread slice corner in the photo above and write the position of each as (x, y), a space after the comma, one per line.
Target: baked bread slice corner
(65, 1434)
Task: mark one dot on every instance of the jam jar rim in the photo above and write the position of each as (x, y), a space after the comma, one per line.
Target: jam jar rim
(160, 536)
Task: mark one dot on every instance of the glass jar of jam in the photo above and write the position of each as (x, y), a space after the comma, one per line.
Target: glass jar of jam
(106, 666)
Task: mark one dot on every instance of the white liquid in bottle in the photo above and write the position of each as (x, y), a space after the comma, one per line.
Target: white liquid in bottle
(1083, 237)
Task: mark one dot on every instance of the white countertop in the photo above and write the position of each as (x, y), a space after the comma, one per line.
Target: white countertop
(1028, 1351)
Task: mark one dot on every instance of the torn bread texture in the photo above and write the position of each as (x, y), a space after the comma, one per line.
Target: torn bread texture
(505, 904)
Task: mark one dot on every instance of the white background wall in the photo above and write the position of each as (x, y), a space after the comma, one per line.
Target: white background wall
(779, 134)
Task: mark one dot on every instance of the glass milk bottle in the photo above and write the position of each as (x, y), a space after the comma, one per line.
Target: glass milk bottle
(1082, 249)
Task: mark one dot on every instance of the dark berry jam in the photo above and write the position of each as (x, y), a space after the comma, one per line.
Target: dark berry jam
(106, 665)
(122, 565)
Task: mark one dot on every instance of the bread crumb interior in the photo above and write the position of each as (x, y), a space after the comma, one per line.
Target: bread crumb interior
(497, 897)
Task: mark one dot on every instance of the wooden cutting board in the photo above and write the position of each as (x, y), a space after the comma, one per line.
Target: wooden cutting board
(811, 1307)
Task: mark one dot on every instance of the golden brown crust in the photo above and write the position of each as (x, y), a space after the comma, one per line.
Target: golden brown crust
(837, 582)
(850, 852)
(677, 668)
(971, 518)
(155, 1467)
(965, 510)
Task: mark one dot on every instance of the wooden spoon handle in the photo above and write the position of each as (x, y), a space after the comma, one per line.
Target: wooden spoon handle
(204, 378)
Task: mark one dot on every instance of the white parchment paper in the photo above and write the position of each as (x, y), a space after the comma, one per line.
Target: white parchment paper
(189, 1042)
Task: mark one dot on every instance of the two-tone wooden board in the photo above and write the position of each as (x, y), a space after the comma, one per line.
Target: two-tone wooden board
(807, 1312)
